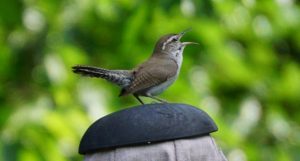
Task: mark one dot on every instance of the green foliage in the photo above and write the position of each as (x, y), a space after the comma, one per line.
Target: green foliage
(245, 73)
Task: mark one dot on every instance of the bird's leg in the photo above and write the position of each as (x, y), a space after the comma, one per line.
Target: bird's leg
(157, 99)
(137, 97)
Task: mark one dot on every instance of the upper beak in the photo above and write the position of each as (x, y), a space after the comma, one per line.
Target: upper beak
(184, 32)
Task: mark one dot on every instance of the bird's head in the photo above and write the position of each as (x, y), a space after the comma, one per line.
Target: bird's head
(171, 43)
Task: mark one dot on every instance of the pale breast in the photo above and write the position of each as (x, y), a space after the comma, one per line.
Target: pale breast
(156, 90)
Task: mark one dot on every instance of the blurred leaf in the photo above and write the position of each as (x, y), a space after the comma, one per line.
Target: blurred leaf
(245, 73)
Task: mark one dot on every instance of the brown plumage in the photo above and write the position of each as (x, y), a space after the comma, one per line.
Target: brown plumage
(151, 77)
(156, 70)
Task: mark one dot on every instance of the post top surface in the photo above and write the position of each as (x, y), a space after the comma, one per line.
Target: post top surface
(146, 124)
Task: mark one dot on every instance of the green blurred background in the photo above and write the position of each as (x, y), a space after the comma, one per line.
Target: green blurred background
(245, 73)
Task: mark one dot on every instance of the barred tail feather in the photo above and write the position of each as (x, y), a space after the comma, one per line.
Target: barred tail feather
(122, 78)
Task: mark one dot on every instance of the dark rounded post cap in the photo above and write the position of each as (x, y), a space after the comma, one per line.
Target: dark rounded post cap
(146, 124)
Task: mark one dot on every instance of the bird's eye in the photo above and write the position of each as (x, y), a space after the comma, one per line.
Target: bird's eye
(174, 39)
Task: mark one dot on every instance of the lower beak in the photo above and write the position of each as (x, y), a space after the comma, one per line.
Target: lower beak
(189, 43)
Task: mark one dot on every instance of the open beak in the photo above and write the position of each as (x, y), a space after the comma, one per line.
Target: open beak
(184, 32)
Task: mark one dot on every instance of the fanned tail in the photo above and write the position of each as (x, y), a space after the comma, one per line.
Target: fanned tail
(123, 78)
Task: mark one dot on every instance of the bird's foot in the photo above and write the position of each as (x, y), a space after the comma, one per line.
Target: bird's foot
(158, 99)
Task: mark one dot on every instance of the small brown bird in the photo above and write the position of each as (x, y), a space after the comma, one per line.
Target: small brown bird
(150, 78)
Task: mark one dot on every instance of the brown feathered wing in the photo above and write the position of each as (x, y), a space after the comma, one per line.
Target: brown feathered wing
(155, 71)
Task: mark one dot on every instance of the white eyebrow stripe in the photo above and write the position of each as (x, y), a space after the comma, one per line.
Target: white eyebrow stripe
(169, 40)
